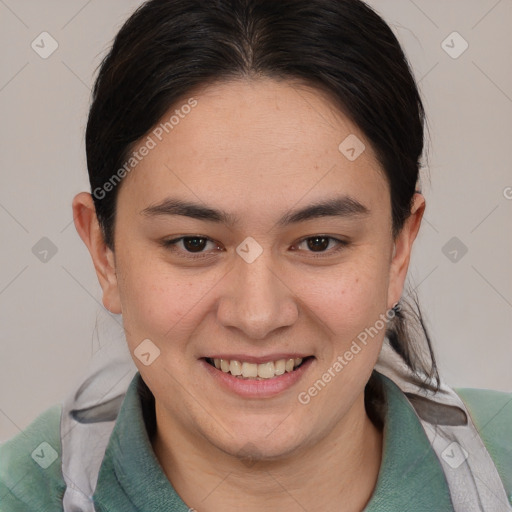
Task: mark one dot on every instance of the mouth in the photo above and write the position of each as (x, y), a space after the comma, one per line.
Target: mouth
(258, 378)
(246, 370)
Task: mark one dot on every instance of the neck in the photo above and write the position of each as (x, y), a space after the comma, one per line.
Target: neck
(339, 469)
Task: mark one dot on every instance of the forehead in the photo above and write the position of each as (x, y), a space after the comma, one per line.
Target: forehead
(262, 116)
(258, 144)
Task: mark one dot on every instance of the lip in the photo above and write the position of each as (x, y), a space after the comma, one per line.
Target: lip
(251, 388)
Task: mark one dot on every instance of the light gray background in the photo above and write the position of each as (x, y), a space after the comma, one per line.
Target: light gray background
(51, 314)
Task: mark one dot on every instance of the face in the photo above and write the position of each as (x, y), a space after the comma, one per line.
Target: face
(213, 261)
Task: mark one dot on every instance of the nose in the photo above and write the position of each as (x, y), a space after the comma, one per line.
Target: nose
(257, 299)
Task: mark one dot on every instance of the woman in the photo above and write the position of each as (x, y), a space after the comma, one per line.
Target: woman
(254, 169)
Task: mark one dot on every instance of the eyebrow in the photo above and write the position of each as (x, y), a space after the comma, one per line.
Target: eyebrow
(342, 206)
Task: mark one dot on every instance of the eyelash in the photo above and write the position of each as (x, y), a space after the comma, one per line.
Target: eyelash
(170, 244)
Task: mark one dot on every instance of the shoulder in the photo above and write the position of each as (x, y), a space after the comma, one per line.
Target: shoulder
(30, 466)
(491, 412)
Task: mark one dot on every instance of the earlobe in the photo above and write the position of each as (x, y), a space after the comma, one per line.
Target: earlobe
(88, 228)
(402, 250)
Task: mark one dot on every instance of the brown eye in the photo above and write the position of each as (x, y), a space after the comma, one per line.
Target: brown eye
(195, 244)
(190, 245)
(318, 243)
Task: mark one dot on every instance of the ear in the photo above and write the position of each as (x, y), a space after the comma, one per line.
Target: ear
(87, 226)
(402, 252)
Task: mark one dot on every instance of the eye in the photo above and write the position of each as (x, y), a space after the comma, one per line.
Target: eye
(189, 245)
(320, 244)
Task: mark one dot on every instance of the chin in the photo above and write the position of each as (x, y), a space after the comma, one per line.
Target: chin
(260, 444)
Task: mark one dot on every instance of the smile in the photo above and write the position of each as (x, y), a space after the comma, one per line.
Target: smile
(247, 370)
(259, 378)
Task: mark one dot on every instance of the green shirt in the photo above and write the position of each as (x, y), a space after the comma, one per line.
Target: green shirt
(411, 476)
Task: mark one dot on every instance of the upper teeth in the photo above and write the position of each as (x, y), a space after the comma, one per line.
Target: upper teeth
(253, 370)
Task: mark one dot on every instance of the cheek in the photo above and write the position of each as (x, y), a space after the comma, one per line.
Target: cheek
(352, 304)
(347, 298)
(158, 303)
